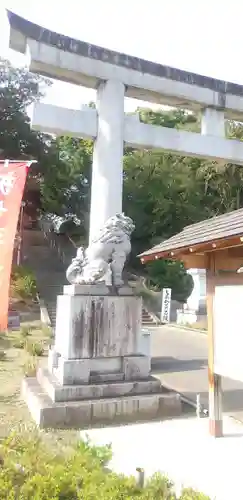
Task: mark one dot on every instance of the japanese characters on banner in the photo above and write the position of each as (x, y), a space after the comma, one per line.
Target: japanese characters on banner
(12, 182)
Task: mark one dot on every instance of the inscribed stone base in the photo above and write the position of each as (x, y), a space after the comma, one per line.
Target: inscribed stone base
(96, 373)
(89, 326)
(96, 390)
(91, 412)
(86, 370)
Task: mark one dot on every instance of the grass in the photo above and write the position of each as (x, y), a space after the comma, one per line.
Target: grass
(15, 363)
(35, 348)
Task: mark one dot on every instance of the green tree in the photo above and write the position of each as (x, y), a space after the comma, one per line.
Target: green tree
(66, 180)
(170, 274)
(18, 89)
(174, 118)
(223, 183)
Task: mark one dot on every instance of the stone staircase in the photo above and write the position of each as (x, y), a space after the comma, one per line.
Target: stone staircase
(147, 318)
(48, 268)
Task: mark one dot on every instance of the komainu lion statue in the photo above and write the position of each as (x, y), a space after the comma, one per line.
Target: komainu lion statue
(105, 257)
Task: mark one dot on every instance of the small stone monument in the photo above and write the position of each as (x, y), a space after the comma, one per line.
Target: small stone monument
(196, 303)
(95, 372)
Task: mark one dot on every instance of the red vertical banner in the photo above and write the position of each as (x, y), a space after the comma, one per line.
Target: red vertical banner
(12, 182)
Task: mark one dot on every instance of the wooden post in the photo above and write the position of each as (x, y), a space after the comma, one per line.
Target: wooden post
(20, 242)
(215, 384)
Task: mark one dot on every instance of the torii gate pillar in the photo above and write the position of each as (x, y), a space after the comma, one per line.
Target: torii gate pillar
(107, 170)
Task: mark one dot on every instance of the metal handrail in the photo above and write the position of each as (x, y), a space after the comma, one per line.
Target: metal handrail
(54, 242)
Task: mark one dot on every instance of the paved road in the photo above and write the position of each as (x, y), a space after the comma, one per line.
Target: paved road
(179, 359)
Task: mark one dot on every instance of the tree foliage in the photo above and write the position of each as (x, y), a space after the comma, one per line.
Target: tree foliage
(30, 469)
(66, 181)
(19, 89)
(170, 274)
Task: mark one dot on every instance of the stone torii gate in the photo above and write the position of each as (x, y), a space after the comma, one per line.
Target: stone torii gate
(115, 76)
(96, 370)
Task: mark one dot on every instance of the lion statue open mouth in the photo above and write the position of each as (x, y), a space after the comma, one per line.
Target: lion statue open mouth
(105, 257)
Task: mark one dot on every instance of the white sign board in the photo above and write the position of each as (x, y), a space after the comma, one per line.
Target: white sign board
(166, 303)
(228, 331)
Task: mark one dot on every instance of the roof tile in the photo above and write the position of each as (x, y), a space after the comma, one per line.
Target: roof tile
(216, 228)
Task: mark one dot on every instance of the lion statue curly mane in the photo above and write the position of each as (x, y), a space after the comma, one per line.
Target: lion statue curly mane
(105, 257)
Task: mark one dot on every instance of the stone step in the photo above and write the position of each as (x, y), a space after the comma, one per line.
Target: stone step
(106, 377)
(61, 393)
(147, 318)
(91, 412)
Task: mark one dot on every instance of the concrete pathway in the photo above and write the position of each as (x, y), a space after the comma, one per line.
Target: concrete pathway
(183, 450)
(180, 361)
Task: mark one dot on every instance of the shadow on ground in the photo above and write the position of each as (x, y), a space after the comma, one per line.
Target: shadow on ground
(232, 390)
(170, 364)
(232, 401)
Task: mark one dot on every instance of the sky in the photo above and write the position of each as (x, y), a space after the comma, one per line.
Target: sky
(203, 36)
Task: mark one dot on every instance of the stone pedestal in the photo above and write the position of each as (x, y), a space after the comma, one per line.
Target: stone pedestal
(96, 372)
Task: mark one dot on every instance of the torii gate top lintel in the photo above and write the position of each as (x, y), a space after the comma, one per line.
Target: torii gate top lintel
(144, 80)
(115, 76)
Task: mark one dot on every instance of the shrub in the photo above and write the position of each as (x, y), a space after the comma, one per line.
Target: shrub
(102, 453)
(34, 348)
(160, 487)
(23, 283)
(25, 331)
(189, 494)
(18, 343)
(29, 470)
(170, 274)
